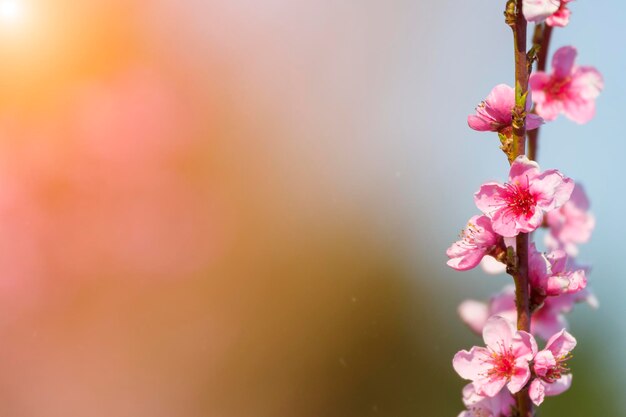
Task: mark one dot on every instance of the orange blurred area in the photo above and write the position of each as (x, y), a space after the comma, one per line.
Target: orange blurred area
(156, 257)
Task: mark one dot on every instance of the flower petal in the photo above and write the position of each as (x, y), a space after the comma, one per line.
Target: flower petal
(539, 10)
(470, 365)
(559, 386)
(537, 391)
(489, 198)
(520, 377)
(523, 170)
(563, 61)
(498, 333)
(561, 344)
(474, 314)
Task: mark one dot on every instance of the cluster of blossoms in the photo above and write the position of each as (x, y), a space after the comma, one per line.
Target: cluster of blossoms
(531, 199)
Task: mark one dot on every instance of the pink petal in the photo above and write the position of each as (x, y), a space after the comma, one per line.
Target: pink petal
(587, 82)
(519, 378)
(498, 332)
(551, 189)
(488, 198)
(560, 18)
(558, 261)
(489, 387)
(563, 191)
(537, 391)
(538, 83)
(579, 111)
(470, 396)
(545, 324)
(500, 103)
(561, 344)
(523, 170)
(486, 236)
(474, 314)
(533, 121)
(531, 224)
(469, 365)
(480, 124)
(549, 109)
(579, 198)
(544, 361)
(465, 260)
(538, 266)
(504, 223)
(563, 61)
(524, 346)
(503, 301)
(490, 265)
(559, 386)
(539, 10)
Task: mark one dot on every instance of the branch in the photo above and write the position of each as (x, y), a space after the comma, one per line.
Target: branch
(516, 20)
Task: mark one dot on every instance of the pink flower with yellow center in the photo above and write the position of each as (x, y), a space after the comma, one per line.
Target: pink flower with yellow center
(504, 360)
(518, 206)
(477, 240)
(480, 406)
(550, 276)
(550, 366)
(569, 89)
(546, 320)
(572, 224)
(495, 114)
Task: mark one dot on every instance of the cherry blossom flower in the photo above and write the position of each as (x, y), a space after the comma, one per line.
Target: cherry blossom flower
(547, 319)
(477, 240)
(572, 224)
(550, 317)
(519, 205)
(560, 18)
(553, 376)
(550, 276)
(495, 113)
(569, 89)
(480, 406)
(476, 313)
(503, 362)
(539, 10)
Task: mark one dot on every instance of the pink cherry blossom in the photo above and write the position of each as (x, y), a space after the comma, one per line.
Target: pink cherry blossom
(560, 18)
(477, 240)
(569, 89)
(503, 362)
(495, 113)
(539, 10)
(572, 224)
(547, 320)
(550, 276)
(553, 376)
(519, 205)
(480, 406)
(475, 314)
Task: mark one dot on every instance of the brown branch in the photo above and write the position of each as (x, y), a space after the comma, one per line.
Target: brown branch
(515, 19)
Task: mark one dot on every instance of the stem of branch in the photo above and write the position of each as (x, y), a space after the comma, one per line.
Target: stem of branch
(515, 19)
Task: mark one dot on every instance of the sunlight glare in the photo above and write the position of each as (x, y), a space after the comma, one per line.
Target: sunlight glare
(10, 10)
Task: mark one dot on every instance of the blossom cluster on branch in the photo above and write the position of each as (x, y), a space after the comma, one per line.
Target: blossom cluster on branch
(511, 364)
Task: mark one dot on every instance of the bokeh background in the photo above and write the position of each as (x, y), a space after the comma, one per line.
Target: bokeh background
(240, 208)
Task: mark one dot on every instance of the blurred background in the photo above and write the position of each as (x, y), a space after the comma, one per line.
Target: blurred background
(240, 208)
